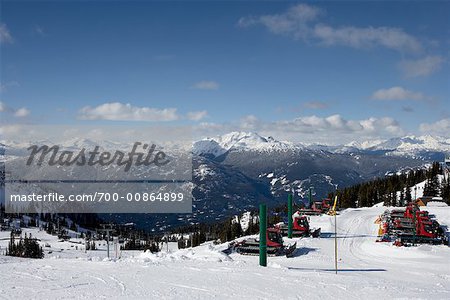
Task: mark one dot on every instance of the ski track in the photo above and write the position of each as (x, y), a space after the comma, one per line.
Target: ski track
(367, 270)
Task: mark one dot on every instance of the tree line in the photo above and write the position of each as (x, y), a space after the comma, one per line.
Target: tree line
(395, 189)
(25, 247)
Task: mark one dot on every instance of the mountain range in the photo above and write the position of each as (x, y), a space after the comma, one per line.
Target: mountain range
(236, 171)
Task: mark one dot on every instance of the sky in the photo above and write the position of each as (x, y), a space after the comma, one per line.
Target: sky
(325, 72)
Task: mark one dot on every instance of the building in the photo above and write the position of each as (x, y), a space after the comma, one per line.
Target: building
(423, 201)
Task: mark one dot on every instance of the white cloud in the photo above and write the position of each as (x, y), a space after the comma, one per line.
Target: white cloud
(300, 22)
(211, 127)
(197, 115)
(397, 93)
(22, 112)
(10, 129)
(336, 124)
(293, 22)
(5, 35)
(333, 129)
(441, 127)
(367, 37)
(19, 113)
(206, 85)
(316, 105)
(126, 112)
(249, 122)
(421, 67)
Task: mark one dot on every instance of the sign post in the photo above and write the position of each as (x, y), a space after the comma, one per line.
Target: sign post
(335, 243)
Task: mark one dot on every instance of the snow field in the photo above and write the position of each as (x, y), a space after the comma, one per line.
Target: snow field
(367, 270)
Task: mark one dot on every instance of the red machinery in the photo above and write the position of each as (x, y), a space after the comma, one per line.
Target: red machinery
(422, 230)
(411, 225)
(317, 207)
(300, 226)
(326, 205)
(275, 245)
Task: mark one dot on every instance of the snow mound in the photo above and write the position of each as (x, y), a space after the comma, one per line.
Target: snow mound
(206, 252)
(436, 204)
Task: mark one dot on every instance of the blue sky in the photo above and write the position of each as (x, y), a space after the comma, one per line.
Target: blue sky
(304, 71)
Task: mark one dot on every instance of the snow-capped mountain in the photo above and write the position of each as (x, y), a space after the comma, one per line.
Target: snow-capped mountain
(418, 147)
(415, 146)
(240, 141)
(237, 171)
(412, 144)
(253, 142)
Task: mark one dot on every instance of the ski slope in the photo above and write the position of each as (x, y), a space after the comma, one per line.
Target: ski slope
(367, 270)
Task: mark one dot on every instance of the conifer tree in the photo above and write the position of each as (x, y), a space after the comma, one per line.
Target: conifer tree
(432, 187)
(445, 190)
(408, 197)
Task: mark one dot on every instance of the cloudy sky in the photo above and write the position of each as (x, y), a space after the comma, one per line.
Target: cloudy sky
(305, 71)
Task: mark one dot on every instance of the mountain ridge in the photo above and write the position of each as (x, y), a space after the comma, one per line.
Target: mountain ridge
(252, 141)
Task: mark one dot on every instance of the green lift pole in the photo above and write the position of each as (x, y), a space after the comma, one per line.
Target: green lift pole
(310, 197)
(290, 213)
(262, 235)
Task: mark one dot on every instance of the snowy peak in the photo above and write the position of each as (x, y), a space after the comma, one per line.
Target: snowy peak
(250, 141)
(364, 145)
(416, 146)
(414, 143)
(239, 141)
(242, 140)
(208, 147)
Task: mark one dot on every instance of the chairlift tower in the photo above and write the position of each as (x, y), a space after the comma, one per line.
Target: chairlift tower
(107, 228)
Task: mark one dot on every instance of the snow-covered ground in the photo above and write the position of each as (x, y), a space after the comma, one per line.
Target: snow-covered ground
(367, 270)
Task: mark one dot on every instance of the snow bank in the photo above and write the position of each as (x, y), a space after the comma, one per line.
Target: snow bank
(436, 204)
(206, 252)
(374, 270)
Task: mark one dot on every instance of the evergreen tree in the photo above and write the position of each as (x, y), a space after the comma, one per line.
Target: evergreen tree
(408, 197)
(401, 200)
(393, 196)
(27, 247)
(445, 190)
(73, 227)
(226, 234)
(50, 228)
(236, 230)
(202, 236)
(432, 187)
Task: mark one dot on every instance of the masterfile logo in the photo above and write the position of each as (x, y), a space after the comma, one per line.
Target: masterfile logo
(91, 158)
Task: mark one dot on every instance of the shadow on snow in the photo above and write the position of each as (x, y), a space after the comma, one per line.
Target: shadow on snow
(339, 270)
